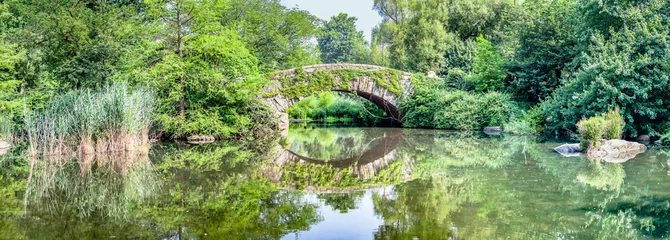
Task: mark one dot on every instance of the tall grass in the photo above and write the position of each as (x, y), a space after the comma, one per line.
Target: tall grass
(86, 121)
(605, 126)
(6, 127)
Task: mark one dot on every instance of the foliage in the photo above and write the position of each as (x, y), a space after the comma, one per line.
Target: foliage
(605, 126)
(546, 48)
(458, 79)
(280, 37)
(532, 122)
(302, 84)
(337, 107)
(665, 138)
(340, 42)
(85, 121)
(487, 69)
(433, 107)
(626, 65)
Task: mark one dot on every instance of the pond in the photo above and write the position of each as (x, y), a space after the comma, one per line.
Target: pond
(340, 183)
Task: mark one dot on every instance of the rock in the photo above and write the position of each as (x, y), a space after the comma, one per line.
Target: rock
(432, 74)
(569, 150)
(643, 138)
(310, 188)
(493, 130)
(200, 139)
(617, 151)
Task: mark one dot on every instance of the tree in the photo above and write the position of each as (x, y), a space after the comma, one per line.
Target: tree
(627, 67)
(427, 40)
(204, 75)
(546, 48)
(340, 42)
(280, 37)
(488, 70)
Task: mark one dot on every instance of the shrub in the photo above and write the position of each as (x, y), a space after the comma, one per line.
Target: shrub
(86, 121)
(432, 107)
(457, 79)
(531, 122)
(605, 126)
(665, 138)
(629, 69)
(488, 68)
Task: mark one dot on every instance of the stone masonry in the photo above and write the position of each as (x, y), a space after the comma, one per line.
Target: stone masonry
(363, 86)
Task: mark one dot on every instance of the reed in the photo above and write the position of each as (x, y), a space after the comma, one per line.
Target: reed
(6, 127)
(87, 121)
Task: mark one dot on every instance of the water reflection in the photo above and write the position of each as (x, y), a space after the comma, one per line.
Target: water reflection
(385, 184)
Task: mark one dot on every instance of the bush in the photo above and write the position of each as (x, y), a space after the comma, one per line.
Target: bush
(605, 126)
(532, 122)
(457, 79)
(630, 70)
(431, 107)
(665, 138)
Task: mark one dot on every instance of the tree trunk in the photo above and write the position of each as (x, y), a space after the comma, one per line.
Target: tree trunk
(182, 109)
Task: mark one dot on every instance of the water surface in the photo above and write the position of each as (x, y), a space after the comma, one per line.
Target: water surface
(340, 183)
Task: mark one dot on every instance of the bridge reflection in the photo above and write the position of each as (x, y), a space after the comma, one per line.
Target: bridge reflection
(378, 163)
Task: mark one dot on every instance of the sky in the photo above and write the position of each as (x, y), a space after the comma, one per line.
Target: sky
(325, 9)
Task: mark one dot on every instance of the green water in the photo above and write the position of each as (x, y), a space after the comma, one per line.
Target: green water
(340, 183)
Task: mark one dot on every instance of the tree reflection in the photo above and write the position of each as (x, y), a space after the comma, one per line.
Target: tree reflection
(214, 191)
(331, 144)
(342, 202)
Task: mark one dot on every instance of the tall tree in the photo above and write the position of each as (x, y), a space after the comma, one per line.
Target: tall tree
(546, 48)
(488, 69)
(340, 42)
(280, 37)
(204, 75)
(628, 66)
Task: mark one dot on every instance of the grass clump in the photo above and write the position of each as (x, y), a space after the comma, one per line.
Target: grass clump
(6, 127)
(86, 121)
(605, 126)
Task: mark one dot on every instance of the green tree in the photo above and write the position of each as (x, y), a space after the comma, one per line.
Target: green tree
(627, 67)
(427, 39)
(205, 76)
(340, 42)
(546, 49)
(487, 69)
(280, 37)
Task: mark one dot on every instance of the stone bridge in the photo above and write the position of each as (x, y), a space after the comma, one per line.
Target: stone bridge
(383, 86)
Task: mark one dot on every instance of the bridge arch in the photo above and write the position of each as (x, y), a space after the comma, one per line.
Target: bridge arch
(382, 86)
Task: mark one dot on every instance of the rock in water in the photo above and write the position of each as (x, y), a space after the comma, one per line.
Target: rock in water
(493, 130)
(617, 151)
(200, 139)
(569, 150)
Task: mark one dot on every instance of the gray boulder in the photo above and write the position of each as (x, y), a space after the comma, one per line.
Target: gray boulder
(493, 130)
(200, 139)
(569, 150)
(617, 151)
